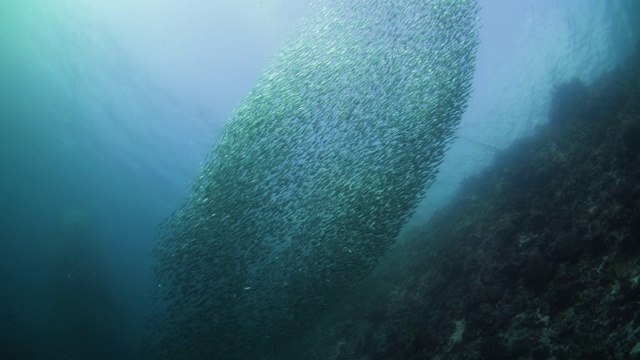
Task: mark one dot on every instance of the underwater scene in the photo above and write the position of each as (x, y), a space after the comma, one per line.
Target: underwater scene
(323, 179)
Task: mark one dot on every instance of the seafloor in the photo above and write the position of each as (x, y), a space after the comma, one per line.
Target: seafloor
(537, 257)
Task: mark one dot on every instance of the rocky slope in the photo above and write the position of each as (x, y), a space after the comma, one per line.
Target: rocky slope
(538, 256)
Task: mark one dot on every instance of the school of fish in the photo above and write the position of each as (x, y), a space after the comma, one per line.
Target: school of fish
(313, 175)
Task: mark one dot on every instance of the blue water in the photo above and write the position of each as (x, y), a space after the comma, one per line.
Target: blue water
(107, 110)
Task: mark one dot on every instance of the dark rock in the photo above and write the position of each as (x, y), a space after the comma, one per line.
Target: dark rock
(536, 268)
(566, 247)
(631, 136)
(540, 353)
(563, 296)
(567, 99)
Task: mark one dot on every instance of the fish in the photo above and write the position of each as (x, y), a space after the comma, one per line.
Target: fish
(313, 176)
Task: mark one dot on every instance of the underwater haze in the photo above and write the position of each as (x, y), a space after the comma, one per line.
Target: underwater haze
(114, 116)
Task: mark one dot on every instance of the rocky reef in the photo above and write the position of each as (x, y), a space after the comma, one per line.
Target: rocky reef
(537, 257)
